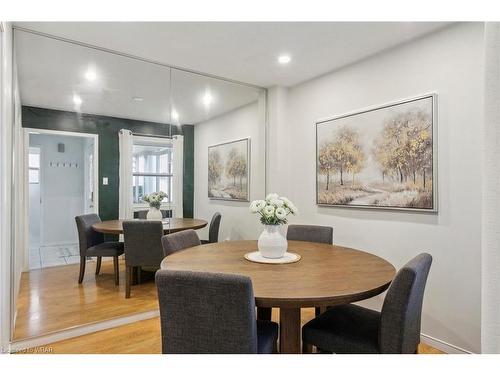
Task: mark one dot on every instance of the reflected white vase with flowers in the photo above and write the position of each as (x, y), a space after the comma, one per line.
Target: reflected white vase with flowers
(154, 200)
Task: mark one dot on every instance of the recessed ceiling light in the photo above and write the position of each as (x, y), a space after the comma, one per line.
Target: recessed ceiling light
(77, 100)
(175, 115)
(90, 75)
(207, 99)
(284, 59)
(137, 99)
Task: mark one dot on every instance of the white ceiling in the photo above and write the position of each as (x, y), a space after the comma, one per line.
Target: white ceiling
(245, 51)
(51, 72)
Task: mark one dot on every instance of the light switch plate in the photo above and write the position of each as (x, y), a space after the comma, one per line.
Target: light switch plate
(104, 180)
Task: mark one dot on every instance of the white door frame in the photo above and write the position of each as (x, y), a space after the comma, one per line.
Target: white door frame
(25, 181)
(6, 122)
(28, 208)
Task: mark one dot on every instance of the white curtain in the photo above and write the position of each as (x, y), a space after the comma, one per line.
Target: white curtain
(178, 173)
(125, 210)
(490, 252)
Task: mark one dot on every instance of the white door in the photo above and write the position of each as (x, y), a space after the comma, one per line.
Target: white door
(89, 177)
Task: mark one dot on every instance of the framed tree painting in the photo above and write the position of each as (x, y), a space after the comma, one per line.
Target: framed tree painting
(381, 157)
(229, 170)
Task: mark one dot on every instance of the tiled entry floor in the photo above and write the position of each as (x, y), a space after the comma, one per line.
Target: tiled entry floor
(49, 256)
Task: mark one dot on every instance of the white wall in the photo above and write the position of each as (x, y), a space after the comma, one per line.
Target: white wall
(450, 63)
(237, 223)
(490, 338)
(62, 188)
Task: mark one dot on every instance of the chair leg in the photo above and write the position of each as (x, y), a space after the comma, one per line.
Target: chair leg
(83, 260)
(128, 281)
(306, 348)
(98, 265)
(117, 270)
(139, 275)
(320, 310)
(264, 313)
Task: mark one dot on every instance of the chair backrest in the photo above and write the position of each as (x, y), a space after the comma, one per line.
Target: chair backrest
(204, 312)
(399, 330)
(213, 232)
(310, 233)
(179, 241)
(142, 243)
(142, 214)
(87, 237)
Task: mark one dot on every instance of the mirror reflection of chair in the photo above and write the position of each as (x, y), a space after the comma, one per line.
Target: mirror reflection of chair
(92, 244)
(178, 241)
(213, 231)
(211, 313)
(352, 329)
(143, 248)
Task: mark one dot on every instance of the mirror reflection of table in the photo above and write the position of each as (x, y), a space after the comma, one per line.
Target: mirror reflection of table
(326, 275)
(170, 225)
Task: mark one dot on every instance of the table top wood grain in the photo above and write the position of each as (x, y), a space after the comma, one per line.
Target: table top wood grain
(170, 225)
(326, 275)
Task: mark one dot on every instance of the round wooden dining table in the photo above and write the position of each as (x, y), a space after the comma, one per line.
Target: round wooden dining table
(170, 225)
(326, 275)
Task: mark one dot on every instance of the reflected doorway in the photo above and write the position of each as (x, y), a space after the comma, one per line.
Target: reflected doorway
(61, 181)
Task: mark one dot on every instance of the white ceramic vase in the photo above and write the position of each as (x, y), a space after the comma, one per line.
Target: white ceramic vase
(271, 242)
(154, 214)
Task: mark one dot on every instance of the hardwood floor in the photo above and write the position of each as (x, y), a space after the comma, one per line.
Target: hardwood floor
(51, 299)
(141, 338)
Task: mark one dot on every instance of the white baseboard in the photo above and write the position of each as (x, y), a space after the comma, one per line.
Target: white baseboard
(442, 345)
(69, 333)
(64, 243)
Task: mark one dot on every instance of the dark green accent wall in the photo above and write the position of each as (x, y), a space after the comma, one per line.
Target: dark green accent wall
(107, 128)
(188, 180)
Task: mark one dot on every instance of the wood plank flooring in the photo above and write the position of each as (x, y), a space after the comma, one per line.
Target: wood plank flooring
(141, 338)
(51, 299)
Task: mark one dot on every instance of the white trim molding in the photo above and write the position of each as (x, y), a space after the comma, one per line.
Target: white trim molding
(24, 345)
(442, 345)
(6, 121)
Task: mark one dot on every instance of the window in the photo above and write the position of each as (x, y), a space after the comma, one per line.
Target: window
(34, 165)
(151, 167)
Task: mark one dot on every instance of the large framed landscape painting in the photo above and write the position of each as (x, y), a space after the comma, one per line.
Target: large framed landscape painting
(383, 157)
(229, 170)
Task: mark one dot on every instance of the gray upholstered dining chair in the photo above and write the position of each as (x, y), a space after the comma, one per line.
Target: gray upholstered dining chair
(310, 233)
(213, 231)
(178, 241)
(203, 312)
(143, 248)
(92, 244)
(354, 329)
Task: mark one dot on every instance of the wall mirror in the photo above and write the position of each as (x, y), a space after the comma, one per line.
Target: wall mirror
(101, 131)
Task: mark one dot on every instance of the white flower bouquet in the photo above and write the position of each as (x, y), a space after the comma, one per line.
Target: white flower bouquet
(155, 199)
(273, 210)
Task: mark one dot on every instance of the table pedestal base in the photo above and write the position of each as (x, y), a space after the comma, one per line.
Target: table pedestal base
(290, 331)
